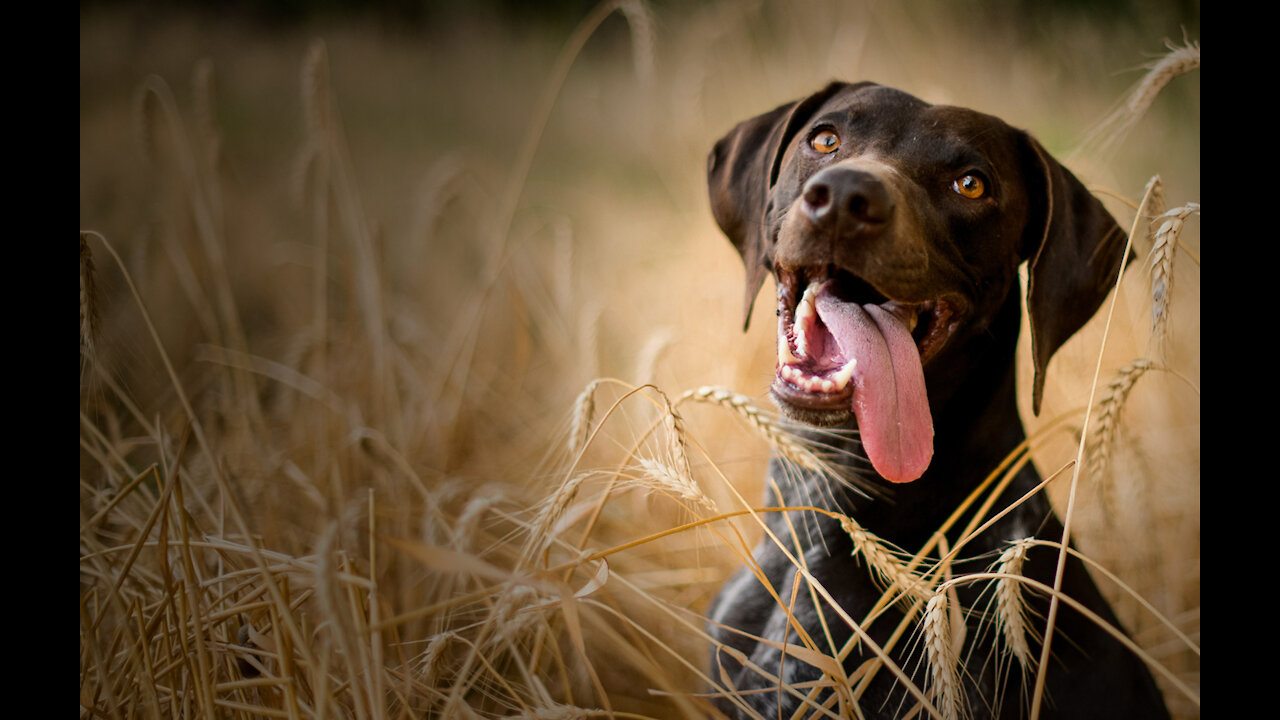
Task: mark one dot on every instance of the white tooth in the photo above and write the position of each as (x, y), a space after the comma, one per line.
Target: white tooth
(805, 311)
(842, 376)
(785, 356)
(810, 293)
(802, 342)
(828, 386)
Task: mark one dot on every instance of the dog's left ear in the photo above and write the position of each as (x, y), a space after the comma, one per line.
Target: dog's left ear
(741, 171)
(1074, 247)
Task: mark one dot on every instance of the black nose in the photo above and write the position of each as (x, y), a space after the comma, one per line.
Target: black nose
(846, 199)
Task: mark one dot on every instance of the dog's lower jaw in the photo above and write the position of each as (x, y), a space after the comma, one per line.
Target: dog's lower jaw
(818, 417)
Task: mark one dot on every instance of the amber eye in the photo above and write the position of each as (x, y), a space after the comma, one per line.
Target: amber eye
(970, 186)
(825, 142)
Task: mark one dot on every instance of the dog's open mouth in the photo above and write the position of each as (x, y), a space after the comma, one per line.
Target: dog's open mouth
(843, 348)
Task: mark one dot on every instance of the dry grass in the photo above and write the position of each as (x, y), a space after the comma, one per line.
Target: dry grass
(1109, 409)
(1164, 244)
(943, 660)
(333, 326)
(1011, 611)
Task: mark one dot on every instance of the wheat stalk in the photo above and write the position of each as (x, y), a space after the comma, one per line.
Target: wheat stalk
(1176, 62)
(1109, 409)
(88, 301)
(469, 519)
(886, 566)
(584, 410)
(329, 594)
(640, 21)
(1179, 60)
(433, 658)
(661, 476)
(552, 509)
(513, 615)
(556, 711)
(315, 123)
(1153, 198)
(1164, 245)
(1011, 610)
(674, 426)
(944, 686)
(785, 443)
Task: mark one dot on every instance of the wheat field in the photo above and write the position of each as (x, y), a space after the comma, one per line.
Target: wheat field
(412, 373)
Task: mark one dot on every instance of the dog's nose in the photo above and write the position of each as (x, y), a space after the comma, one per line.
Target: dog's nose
(844, 196)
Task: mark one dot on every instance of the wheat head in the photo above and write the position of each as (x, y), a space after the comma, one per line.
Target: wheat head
(1164, 245)
(1109, 409)
(662, 476)
(892, 572)
(1011, 610)
(944, 685)
(785, 443)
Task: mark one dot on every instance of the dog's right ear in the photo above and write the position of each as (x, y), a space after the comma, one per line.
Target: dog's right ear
(741, 172)
(1074, 250)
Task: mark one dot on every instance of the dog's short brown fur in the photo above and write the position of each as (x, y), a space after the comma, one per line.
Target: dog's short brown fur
(903, 224)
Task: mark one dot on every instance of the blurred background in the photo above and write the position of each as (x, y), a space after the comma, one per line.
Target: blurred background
(348, 267)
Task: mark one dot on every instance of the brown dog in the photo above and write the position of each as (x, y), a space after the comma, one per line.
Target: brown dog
(894, 230)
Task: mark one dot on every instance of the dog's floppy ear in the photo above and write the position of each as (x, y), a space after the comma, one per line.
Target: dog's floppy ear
(1074, 247)
(741, 171)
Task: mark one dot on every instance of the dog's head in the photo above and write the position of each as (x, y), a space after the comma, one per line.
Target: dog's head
(894, 230)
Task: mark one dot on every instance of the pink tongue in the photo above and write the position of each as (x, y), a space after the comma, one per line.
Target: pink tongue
(889, 398)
